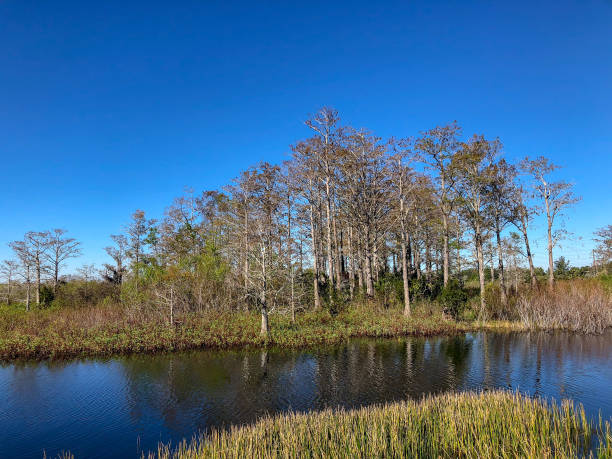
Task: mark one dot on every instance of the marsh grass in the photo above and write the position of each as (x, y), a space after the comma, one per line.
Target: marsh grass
(581, 305)
(108, 330)
(494, 424)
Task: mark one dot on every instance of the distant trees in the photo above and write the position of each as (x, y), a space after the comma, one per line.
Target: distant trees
(349, 217)
(602, 253)
(41, 253)
(8, 269)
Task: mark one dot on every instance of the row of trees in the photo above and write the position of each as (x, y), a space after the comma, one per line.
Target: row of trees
(328, 225)
(38, 255)
(343, 211)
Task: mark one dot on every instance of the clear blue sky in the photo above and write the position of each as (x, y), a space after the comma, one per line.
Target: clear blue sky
(109, 106)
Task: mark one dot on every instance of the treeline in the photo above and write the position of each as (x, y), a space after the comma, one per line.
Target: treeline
(346, 213)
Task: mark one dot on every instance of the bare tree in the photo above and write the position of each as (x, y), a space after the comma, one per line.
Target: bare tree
(23, 251)
(32, 252)
(556, 196)
(437, 148)
(603, 249)
(115, 273)
(60, 249)
(472, 165)
(499, 196)
(402, 188)
(365, 194)
(9, 270)
(521, 219)
(324, 124)
(304, 160)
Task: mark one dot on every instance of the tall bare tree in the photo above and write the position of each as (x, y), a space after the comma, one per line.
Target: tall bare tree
(401, 176)
(324, 123)
(472, 165)
(60, 249)
(8, 269)
(436, 148)
(556, 196)
(603, 248)
(116, 272)
(24, 254)
(521, 219)
(499, 197)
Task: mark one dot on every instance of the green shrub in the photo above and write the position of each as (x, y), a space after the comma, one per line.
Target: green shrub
(453, 298)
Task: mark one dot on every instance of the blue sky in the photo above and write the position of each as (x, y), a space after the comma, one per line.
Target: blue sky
(106, 107)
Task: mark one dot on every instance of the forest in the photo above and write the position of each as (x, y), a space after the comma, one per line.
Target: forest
(436, 225)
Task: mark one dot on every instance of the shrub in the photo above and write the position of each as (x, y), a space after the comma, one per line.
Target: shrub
(453, 298)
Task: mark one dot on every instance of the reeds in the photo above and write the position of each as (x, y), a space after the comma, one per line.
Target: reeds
(582, 305)
(494, 424)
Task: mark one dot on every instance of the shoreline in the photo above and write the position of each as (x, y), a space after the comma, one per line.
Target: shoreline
(312, 330)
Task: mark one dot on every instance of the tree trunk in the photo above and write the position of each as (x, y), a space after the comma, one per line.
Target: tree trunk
(330, 265)
(551, 272)
(264, 320)
(290, 259)
(529, 257)
(351, 264)
(405, 276)
(28, 288)
(55, 275)
(171, 306)
(263, 299)
(417, 259)
(337, 254)
(481, 278)
(315, 263)
(37, 282)
(368, 265)
(502, 281)
(445, 248)
(360, 265)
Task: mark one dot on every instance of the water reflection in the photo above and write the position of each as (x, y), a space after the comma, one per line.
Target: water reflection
(120, 406)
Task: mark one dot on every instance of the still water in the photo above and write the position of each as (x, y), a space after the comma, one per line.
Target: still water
(123, 406)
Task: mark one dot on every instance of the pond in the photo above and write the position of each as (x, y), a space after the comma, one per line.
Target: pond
(126, 405)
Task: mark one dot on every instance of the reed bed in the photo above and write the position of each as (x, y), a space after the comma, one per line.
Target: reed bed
(581, 305)
(495, 424)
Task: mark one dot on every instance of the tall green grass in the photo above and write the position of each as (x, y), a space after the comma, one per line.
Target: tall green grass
(474, 425)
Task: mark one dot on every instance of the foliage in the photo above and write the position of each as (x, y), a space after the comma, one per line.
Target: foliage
(453, 298)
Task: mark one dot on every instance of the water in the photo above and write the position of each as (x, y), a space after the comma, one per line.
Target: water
(123, 406)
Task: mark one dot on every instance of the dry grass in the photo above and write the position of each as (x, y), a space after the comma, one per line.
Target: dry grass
(497, 424)
(582, 305)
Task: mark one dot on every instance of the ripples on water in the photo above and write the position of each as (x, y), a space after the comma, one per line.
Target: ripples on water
(119, 407)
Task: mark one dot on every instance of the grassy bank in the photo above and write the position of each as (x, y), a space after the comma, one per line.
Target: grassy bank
(497, 424)
(107, 330)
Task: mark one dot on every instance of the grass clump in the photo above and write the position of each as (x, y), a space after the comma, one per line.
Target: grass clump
(495, 424)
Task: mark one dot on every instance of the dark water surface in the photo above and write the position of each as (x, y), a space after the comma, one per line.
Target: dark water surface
(123, 406)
